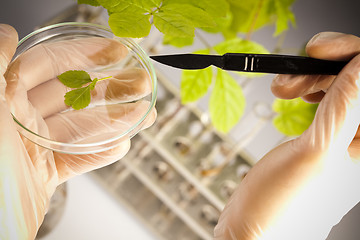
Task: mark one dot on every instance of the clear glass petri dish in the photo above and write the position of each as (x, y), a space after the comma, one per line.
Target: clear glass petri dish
(105, 111)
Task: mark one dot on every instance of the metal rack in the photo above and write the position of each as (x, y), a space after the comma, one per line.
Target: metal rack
(183, 169)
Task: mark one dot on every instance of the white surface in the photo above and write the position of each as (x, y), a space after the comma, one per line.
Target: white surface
(92, 215)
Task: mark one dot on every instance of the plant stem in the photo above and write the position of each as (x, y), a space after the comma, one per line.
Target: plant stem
(255, 18)
(104, 78)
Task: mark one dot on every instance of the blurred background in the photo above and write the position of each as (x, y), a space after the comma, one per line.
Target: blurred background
(180, 172)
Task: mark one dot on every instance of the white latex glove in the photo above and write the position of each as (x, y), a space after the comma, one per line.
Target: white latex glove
(303, 187)
(29, 174)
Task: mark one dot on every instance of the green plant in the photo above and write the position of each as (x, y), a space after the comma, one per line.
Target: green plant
(180, 20)
(80, 97)
(293, 116)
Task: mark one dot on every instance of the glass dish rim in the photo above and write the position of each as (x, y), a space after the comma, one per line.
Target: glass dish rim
(84, 148)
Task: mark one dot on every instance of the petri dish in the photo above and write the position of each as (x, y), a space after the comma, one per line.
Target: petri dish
(117, 110)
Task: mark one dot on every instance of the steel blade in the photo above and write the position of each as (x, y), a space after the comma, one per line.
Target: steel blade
(189, 61)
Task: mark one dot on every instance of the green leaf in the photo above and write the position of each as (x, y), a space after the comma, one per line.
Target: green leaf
(78, 98)
(216, 8)
(222, 25)
(173, 24)
(146, 6)
(284, 15)
(108, 4)
(294, 116)
(157, 3)
(244, 14)
(227, 102)
(195, 84)
(89, 2)
(196, 15)
(246, 4)
(177, 41)
(218, 11)
(251, 15)
(74, 78)
(130, 23)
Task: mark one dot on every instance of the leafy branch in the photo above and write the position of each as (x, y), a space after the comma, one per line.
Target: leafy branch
(178, 20)
(195, 84)
(174, 18)
(80, 97)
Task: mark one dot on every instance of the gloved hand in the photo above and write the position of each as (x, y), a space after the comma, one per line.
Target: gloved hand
(29, 174)
(302, 188)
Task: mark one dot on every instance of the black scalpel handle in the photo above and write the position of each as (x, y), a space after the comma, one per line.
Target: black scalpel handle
(281, 64)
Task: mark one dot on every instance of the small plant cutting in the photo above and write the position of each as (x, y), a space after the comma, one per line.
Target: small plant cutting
(80, 96)
(179, 21)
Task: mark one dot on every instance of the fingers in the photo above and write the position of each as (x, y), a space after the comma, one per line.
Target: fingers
(8, 40)
(314, 97)
(98, 123)
(296, 179)
(91, 126)
(338, 115)
(330, 46)
(126, 86)
(71, 165)
(46, 61)
(293, 86)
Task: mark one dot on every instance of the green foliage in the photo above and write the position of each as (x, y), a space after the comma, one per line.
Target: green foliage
(197, 16)
(174, 24)
(216, 9)
(226, 92)
(227, 102)
(174, 18)
(251, 15)
(178, 19)
(294, 116)
(80, 97)
(74, 79)
(130, 23)
(195, 84)
(284, 15)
